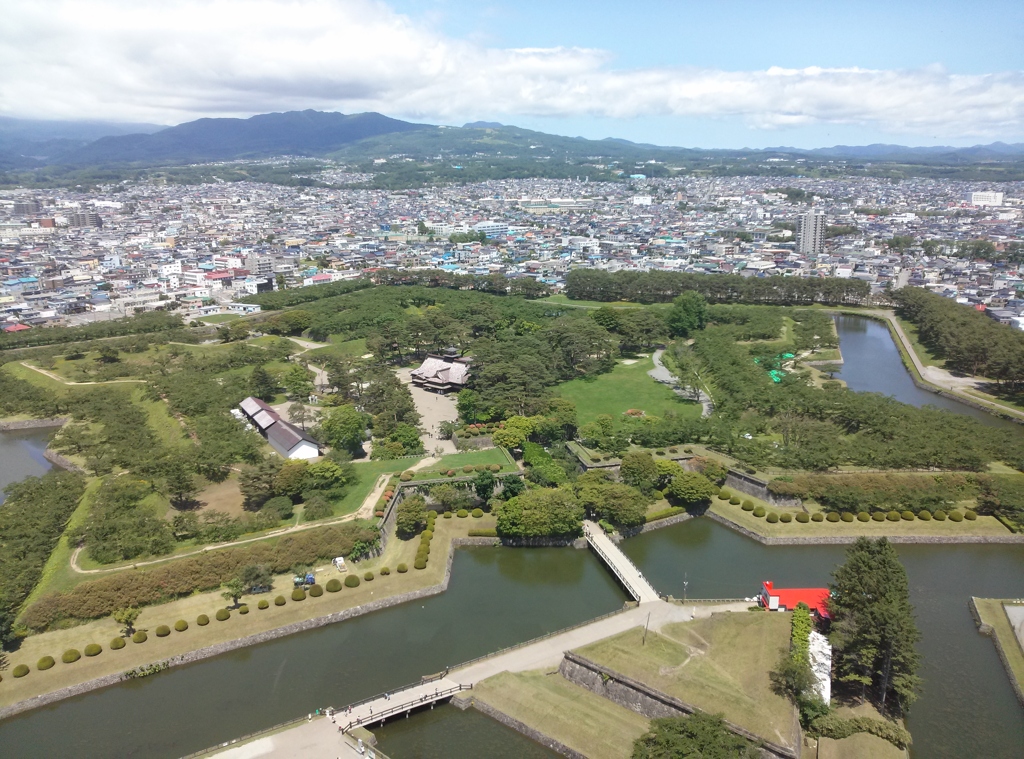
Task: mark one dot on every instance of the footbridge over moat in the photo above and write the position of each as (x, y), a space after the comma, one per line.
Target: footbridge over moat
(625, 570)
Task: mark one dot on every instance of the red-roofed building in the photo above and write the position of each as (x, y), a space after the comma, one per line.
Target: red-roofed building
(786, 599)
(17, 328)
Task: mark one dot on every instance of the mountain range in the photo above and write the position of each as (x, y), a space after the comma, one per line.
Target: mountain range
(34, 144)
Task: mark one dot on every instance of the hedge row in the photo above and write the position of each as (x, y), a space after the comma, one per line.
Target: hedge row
(491, 533)
(837, 728)
(848, 517)
(138, 587)
(672, 511)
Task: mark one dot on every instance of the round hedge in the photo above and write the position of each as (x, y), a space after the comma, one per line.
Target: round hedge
(384, 571)
(333, 585)
(352, 581)
(832, 517)
(724, 495)
(748, 505)
(846, 516)
(427, 535)
(243, 609)
(447, 515)
(163, 631)
(45, 663)
(893, 516)
(93, 649)
(405, 477)
(202, 620)
(468, 468)
(116, 644)
(21, 670)
(263, 604)
(462, 514)
(924, 515)
(477, 513)
(772, 518)
(368, 576)
(140, 637)
(863, 516)
(222, 615)
(817, 516)
(316, 591)
(955, 516)
(402, 568)
(420, 564)
(298, 594)
(939, 515)
(279, 601)
(908, 516)
(759, 512)
(734, 501)
(181, 625)
(715, 490)
(970, 515)
(786, 518)
(70, 656)
(803, 517)
(878, 516)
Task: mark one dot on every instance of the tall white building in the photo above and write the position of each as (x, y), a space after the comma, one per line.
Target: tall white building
(810, 232)
(985, 198)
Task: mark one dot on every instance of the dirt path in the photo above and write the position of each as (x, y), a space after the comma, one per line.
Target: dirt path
(660, 373)
(57, 377)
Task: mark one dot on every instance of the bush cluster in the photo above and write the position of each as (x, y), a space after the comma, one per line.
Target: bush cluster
(140, 637)
(162, 631)
(772, 518)
(222, 615)
(492, 533)
(117, 644)
(93, 649)
(316, 591)
(786, 518)
(21, 670)
(846, 516)
(837, 728)
(748, 505)
(832, 517)
(70, 656)
(45, 663)
(181, 625)
(333, 585)
(352, 581)
(202, 620)
(803, 517)
(654, 516)
(759, 512)
(402, 568)
(263, 604)
(817, 516)
(298, 594)
(384, 571)
(243, 609)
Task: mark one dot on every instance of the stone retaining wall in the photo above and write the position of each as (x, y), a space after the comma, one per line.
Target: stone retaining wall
(847, 539)
(519, 727)
(987, 630)
(64, 463)
(744, 483)
(642, 699)
(33, 424)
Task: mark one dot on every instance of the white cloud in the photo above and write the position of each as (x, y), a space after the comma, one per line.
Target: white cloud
(174, 60)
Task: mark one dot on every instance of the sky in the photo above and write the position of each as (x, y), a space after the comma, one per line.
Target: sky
(720, 74)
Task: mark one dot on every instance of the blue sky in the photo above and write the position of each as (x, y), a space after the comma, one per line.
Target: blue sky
(735, 73)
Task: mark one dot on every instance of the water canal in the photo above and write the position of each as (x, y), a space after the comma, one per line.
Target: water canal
(21, 455)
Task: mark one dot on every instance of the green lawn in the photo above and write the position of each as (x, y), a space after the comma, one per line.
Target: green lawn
(923, 354)
(563, 300)
(471, 458)
(338, 348)
(718, 664)
(992, 614)
(368, 472)
(571, 715)
(627, 386)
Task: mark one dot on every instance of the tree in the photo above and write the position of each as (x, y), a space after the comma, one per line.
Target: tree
(621, 504)
(411, 516)
(689, 313)
(698, 736)
(108, 355)
(873, 634)
(180, 483)
(257, 482)
(541, 513)
(298, 383)
(299, 414)
(290, 479)
(233, 590)
(639, 470)
(468, 405)
(126, 618)
(483, 484)
(344, 428)
(691, 488)
(262, 385)
(512, 486)
(257, 576)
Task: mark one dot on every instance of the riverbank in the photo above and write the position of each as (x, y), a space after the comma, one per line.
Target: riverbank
(990, 614)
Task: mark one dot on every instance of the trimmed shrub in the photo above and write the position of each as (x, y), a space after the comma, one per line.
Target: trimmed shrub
(163, 631)
(715, 490)
(70, 656)
(924, 515)
(477, 513)
(846, 516)
(803, 517)
(659, 453)
(939, 515)
(447, 515)
(970, 515)
(908, 516)
(786, 518)
(450, 472)
(316, 591)
(21, 670)
(893, 516)
(420, 564)
(405, 478)
(724, 495)
(181, 625)
(117, 644)
(298, 594)
(402, 569)
(495, 468)
(263, 604)
(279, 601)
(222, 615)
(734, 501)
(427, 535)
(748, 505)
(955, 516)
(46, 662)
(368, 577)
(832, 517)
(863, 516)
(468, 468)
(878, 516)
(492, 533)
(772, 518)
(93, 649)
(333, 585)
(759, 512)
(352, 581)
(595, 459)
(687, 450)
(243, 609)
(140, 637)
(384, 571)
(817, 516)
(462, 514)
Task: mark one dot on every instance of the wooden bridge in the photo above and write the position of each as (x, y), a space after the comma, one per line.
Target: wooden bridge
(625, 570)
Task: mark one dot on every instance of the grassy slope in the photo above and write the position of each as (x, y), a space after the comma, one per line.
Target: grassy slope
(584, 721)
(368, 472)
(720, 664)
(992, 613)
(627, 386)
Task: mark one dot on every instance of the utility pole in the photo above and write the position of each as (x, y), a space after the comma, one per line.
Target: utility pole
(685, 583)
(646, 625)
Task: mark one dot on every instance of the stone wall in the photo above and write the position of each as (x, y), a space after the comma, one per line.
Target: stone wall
(33, 424)
(987, 630)
(64, 463)
(651, 703)
(519, 727)
(744, 483)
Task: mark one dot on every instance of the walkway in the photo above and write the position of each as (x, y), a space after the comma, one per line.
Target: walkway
(631, 578)
(433, 409)
(660, 373)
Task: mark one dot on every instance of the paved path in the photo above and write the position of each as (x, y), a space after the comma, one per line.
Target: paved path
(631, 577)
(57, 377)
(433, 408)
(660, 373)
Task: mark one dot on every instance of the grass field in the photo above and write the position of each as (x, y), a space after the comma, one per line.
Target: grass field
(626, 387)
(339, 347)
(923, 354)
(159, 649)
(471, 458)
(368, 472)
(563, 300)
(992, 613)
(583, 721)
(719, 664)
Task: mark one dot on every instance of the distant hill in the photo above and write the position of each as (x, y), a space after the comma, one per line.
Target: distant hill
(28, 143)
(307, 133)
(930, 154)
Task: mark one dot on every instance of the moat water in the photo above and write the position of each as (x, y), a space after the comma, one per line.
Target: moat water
(21, 455)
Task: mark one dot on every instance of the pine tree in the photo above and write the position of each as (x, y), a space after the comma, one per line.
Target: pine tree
(262, 385)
